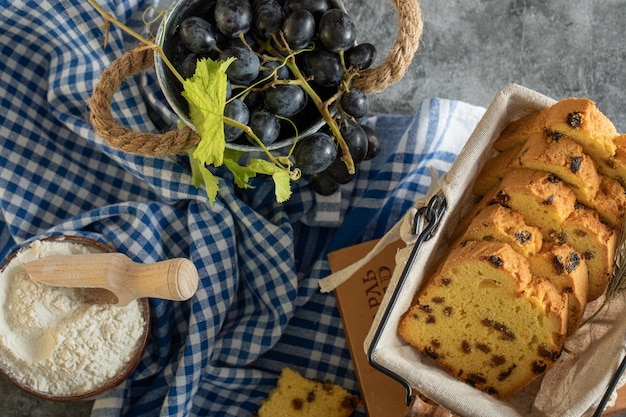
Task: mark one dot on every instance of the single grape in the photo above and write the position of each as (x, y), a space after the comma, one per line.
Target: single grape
(313, 154)
(323, 184)
(253, 100)
(245, 68)
(270, 67)
(338, 172)
(233, 17)
(299, 29)
(361, 56)
(236, 110)
(265, 125)
(355, 103)
(337, 31)
(316, 7)
(187, 67)
(285, 99)
(269, 17)
(373, 143)
(324, 66)
(355, 138)
(197, 34)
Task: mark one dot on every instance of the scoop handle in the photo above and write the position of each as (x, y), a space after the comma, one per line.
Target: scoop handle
(173, 279)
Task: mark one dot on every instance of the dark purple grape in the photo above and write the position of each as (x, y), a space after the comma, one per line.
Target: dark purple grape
(338, 172)
(337, 31)
(245, 68)
(299, 29)
(324, 66)
(253, 100)
(356, 139)
(268, 69)
(361, 56)
(355, 103)
(313, 154)
(236, 110)
(197, 34)
(373, 143)
(187, 67)
(233, 17)
(285, 99)
(316, 7)
(269, 17)
(265, 125)
(323, 184)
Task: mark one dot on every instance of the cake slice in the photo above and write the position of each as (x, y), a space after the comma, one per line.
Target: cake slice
(596, 241)
(610, 202)
(543, 199)
(615, 167)
(494, 169)
(567, 270)
(564, 158)
(295, 395)
(517, 131)
(485, 319)
(501, 224)
(581, 120)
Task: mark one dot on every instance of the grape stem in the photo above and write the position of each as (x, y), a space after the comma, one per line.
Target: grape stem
(323, 108)
(109, 18)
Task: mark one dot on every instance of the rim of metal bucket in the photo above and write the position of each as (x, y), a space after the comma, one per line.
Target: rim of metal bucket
(169, 84)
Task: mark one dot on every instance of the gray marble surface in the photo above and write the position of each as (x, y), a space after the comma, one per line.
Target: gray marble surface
(470, 49)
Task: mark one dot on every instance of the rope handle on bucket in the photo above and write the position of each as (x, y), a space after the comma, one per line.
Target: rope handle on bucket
(372, 80)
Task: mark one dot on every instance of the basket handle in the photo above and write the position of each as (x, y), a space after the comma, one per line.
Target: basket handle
(372, 80)
(167, 143)
(394, 66)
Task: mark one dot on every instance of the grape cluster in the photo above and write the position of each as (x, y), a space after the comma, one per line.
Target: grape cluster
(295, 61)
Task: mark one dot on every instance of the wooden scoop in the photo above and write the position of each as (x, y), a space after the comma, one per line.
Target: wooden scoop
(117, 276)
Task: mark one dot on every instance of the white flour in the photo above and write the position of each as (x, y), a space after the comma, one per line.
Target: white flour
(51, 340)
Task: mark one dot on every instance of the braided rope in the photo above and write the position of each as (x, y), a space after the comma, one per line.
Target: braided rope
(377, 79)
(168, 143)
(393, 68)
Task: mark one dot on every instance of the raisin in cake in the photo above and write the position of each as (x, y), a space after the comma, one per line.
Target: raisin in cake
(295, 395)
(487, 320)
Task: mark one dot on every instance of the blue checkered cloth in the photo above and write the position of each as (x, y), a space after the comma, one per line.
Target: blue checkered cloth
(258, 307)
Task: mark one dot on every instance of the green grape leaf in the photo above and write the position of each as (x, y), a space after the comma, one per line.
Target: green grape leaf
(282, 181)
(282, 184)
(200, 174)
(241, 174)
(206, 94)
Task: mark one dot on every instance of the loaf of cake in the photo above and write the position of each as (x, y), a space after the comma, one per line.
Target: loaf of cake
(487, 320)
(295, 395)
(539, 239)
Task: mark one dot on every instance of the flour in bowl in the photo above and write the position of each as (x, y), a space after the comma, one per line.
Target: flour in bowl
(51, 340)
